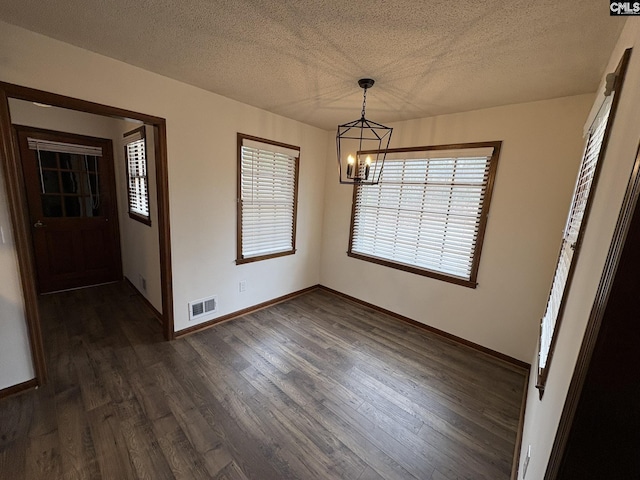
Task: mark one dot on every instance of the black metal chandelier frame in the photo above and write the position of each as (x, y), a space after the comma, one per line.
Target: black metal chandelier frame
(372, 143)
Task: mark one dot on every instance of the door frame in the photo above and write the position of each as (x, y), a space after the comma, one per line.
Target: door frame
(19, 212)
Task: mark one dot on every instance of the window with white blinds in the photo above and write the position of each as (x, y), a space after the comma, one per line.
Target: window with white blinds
(428, 213)
(267, 198)
(571, 236)
(596, 145)
(137, 175)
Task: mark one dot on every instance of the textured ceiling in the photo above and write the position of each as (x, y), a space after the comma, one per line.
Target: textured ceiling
(302, 58)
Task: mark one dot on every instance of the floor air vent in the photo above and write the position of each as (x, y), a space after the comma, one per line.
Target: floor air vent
(201, 308)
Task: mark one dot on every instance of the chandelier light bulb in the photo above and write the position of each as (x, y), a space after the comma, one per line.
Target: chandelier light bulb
(350, 162)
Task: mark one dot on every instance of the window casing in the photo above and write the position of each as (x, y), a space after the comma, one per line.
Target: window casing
(597, 138)
(429, 212)
(135, 152)
(267, 198)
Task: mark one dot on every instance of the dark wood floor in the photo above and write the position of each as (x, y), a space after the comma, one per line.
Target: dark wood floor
(313, 388)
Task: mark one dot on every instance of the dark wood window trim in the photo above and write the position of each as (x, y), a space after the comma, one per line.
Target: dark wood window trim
(543, 373)
(467, 282)
(241, 259)
(146, 219)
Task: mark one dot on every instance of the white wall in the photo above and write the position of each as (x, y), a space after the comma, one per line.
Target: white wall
(140, 247)
(201, 141)
(542, 416)
(61, 119)
(542, 145)
(15, 354)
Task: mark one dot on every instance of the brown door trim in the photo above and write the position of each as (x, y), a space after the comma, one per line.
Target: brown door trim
(18, 210)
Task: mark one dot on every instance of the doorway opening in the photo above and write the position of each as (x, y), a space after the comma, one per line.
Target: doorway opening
(82, 199)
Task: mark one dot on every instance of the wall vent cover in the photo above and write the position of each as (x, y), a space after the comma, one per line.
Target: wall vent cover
(203, 307)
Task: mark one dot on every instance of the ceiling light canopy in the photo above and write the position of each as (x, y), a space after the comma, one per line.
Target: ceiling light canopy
(362, 146)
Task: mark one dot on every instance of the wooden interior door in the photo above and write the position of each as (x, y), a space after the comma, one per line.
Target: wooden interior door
(70, 185)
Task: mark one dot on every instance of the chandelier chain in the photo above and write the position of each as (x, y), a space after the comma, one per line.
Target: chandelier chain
(364, 101)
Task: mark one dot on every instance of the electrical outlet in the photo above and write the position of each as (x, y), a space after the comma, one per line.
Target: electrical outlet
(242, 286)
(526, 462)
(143, 283)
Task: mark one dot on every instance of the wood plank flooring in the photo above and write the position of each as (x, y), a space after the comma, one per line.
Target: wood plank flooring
(313, 388)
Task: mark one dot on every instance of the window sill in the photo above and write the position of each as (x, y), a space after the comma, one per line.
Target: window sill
(140, 218)
(416, 270)
(240, 261)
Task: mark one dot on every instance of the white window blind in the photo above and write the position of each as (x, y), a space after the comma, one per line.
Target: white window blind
(60, 147)
(427, 210)
(570, 236)
(137, 175)
(268, 182)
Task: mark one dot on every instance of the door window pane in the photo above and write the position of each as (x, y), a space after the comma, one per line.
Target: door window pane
(71, 161)
(92, 163)
(70, 182)
(51, 205)
(50, 183)
(72, 207)
(48, 159)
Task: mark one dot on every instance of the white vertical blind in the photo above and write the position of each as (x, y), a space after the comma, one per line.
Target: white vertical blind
(426, 211)
(571, 231)
(138, 181)
(267, 196)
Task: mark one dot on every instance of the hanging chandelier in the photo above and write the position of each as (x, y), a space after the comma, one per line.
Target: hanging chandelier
(362, 146)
